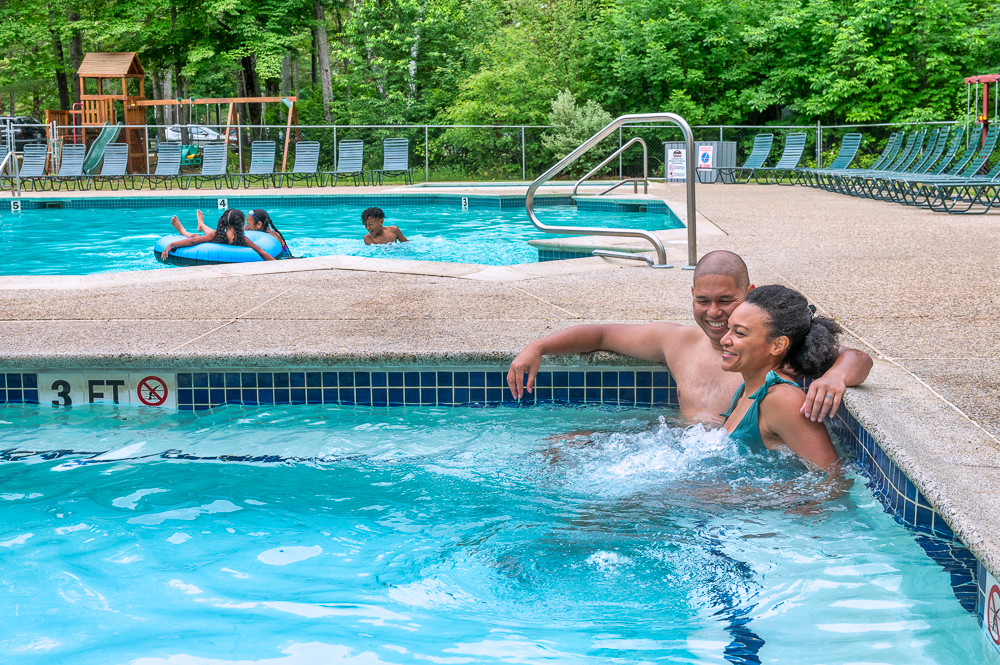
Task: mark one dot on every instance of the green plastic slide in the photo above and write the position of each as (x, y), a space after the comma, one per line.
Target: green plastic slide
(96, 153)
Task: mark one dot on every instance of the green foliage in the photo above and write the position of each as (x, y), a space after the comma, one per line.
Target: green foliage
(572, 124)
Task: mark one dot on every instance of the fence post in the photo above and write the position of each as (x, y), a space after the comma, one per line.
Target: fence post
(427, 156)
(145, 128)
(819, 145)
(720, 136)
(524, 168)
(336, 151)
(619, 156)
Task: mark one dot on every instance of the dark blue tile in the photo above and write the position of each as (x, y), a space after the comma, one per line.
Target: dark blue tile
(428, 396)
(626, 379)
(477, 379)
(281, 396)
(378, 380)
(262, 380)
(593, 379)
(31, 396)
(494, 395)
(543, 395)
(577, 380)
(444, 379)
(363, 396)
(643, 395)
(428, 379)
(911, 489)
(201, 395)
(395, 396)
(13, 395)
(494, 380)
(200, 380)
(184, 396)
(644, 379)
(924, 517)
(280, 381)
(609, 379)
(412, 395)
(314, 395)
(560, 395)
(298, 395)
(461, 379)
(444, 396)
(626, 395)
(330, 396)
(380, 397)
(609, 395)
(477, 395)
(248, 396)
(232, 380)
(346, 395)
(180, 407)
(201, 407)
(661, 396)
(297, 379)
(560, 379)
(909, 516)
(395, 379)
(314, 380)
(30, 380)
(577, 395)
(3, 380)
(362, 379)
(593, 394)
(233, 396)
(543, 379)
(661, 379)
(461, 396)
(346, 379)
(330, 380)
(412, 379)
(216, 380)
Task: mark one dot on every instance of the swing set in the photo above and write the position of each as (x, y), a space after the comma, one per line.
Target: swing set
(973, 101)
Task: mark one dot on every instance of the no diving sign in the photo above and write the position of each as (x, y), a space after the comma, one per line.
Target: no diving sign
(991, 612)
(152, 391)
(144, 389)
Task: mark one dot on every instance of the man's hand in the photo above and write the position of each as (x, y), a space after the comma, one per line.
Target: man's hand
(526, 362)
(823, 398)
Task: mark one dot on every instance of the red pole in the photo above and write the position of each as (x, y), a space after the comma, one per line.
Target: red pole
(986, 116)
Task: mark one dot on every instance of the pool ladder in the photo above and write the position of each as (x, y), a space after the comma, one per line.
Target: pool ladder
(661, 253)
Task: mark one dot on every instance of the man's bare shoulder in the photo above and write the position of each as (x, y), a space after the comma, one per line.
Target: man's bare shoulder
(675, 332)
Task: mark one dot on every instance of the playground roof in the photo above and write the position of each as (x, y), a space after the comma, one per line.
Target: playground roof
(111, 65)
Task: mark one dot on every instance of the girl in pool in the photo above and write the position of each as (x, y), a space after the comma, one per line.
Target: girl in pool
(773, 336)
(259, 220)
(228, 231)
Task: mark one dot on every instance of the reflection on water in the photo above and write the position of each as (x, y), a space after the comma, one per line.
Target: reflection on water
(313, 535)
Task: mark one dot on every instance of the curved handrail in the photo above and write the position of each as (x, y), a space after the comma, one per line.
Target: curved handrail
(661, 253)
(645, 169)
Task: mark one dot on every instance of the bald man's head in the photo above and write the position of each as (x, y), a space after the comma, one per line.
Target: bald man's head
(727, 264)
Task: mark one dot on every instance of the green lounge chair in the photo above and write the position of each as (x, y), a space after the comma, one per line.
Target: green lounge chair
(758, 155)
(305, 167)
(395, 160)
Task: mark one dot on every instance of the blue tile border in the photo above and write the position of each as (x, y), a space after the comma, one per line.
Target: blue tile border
(557, 385)
(556, 255)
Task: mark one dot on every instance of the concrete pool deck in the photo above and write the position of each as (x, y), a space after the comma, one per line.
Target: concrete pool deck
(914, 288)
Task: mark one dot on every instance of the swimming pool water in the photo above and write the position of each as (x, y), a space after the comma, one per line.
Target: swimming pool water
(69, 241)
(307, 535)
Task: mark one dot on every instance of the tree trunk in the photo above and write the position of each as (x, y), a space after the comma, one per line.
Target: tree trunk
(323, 53)
(346, 44)
(286, 75)
(62, 83)
(314, 68)
(252, 89)
(182, 116)
(159, 112)
(75, 53)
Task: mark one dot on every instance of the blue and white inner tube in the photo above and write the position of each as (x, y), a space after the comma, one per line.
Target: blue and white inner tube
(211, 253)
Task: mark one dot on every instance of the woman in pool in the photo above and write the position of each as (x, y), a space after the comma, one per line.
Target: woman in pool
(228, 231)
(259, 220)
(773, 336)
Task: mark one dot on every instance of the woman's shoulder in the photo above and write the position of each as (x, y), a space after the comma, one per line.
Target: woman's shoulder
(783, 398)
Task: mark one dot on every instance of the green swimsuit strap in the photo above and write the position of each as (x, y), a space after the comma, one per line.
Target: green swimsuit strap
(748, 430)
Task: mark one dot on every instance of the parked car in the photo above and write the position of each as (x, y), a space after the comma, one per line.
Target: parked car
(199, 134)
(26, 130)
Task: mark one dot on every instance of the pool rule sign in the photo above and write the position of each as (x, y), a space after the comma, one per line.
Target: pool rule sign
(991, 611)
(143, 389)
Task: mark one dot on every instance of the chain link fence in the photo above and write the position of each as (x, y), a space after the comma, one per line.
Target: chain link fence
(445, 153)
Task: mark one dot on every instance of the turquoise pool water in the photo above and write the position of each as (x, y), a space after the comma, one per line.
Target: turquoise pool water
(75, 242)
(345, 535)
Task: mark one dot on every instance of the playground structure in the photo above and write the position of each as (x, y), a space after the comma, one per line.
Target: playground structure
(100, 111)
(982, 114)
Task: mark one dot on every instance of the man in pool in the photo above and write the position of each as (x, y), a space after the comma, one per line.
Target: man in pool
(693, 354)
(373, 219)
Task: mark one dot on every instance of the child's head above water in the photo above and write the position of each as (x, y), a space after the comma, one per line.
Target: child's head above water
(372, 218)
(259, 220)
(229, 230)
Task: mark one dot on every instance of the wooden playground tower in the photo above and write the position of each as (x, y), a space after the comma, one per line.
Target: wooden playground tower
(97, 109)
(982, 111)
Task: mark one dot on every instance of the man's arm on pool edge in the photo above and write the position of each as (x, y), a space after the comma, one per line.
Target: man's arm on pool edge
(639, 341)
(850, 369)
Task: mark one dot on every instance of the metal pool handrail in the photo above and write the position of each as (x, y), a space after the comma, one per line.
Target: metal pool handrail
(634, 181)
(637, 118)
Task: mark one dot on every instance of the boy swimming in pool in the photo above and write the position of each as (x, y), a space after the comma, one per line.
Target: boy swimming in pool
(373, 219)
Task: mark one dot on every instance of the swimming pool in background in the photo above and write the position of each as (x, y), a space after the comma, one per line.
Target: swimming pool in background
(74, 241)
(303, 534)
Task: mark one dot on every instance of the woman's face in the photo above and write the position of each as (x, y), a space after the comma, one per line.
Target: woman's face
(746, 348)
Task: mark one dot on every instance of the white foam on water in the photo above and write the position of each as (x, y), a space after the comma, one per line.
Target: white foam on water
(865, 604)
(608, 561)
(178, 538)
(132, 500)
(63, 530)
(220, 506)
(189, 589)
(886, 627)
(428, 593)
(17, 540)
(282, 556)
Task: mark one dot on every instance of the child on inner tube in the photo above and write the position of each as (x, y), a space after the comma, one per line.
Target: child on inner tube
(228, 231)
(259, 220)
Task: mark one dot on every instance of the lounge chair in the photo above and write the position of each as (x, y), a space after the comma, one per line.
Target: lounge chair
(961, 198)
(350, 162)
(912, 190)
(795, 145)
(820, 177)
(32, 171)
(262, 155)
(866, 182)
(395, 160)
(948, 193)
(71, 167)
(758, 155)
(306, 166)
(168, 166)
(114, 167)
(214, 166)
